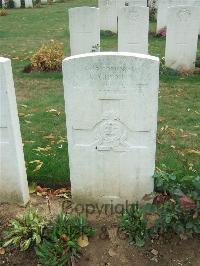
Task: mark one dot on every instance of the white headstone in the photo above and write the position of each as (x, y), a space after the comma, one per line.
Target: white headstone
(28, 3)
(133, 28)
(163, 6)
(111, 106)
(17, 3)
(108, 15)
(13, 180)
(84, 25)
(182, 37)
(123, 3)
(3, 3)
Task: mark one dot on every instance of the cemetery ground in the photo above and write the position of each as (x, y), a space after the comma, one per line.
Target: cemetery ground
(42, 120)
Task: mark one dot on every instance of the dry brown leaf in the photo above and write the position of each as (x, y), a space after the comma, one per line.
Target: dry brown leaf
(2, 251)
(54, 111)
(191, 151)
(83, 241)
(40, 149)
(39, 165)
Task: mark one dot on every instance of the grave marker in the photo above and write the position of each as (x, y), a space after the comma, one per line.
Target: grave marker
(182, 37)
(133, 28)
(108, 14)
(13, 180)
(111, 107)
(84, 25)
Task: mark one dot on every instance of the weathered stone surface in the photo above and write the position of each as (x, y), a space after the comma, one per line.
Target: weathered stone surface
(111, 108)
(182, 37)
(123, 3)
(84, 25)
(133, 28)
(13, 180)
(163, 6)
(108, 14)
(17, 3)
(28, 3)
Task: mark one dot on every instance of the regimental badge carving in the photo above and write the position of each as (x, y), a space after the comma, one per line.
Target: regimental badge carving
(133, 15)
(111, 134)
(184, 14)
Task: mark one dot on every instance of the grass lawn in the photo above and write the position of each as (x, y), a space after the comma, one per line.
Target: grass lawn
(41, 103)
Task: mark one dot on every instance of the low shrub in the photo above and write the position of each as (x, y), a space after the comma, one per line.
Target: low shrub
(3, 12)
(175, 211)
(63, 240)
(48, 57)
(26, 230)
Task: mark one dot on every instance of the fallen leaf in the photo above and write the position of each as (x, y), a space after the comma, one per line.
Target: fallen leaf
(40, 149)
(50, 136)
(111, 252)
(32, 188)
(39, 189)
(61, 191)
(154, 252)
(39, 165)
(2, 251)
(83, 241)
(54, 111)
(187, 202)
(191, 151)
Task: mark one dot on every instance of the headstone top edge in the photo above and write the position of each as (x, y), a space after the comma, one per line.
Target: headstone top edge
(83, 7)
(4, 59)
(183, 6)
(117, 54)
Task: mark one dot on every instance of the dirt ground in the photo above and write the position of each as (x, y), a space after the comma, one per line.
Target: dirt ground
(108, 247)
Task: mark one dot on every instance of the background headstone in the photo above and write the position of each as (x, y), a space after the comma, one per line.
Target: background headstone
(163, 6)
(182, 37)
(13, 180)
(17, 3)
(84, 25)
(133, 28)
(28, 3)
(111, 107)
(123, 3)
(108, 14)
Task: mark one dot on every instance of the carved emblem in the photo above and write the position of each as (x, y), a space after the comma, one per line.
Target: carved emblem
(111, 134)
(184, 14)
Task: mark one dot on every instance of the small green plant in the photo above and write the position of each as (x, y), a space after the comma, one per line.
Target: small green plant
(26, 230)
(133, 223)
(63, 239)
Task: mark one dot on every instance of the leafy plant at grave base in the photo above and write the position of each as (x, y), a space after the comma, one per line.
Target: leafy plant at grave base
(48, 57)
(3, 12)
(175, 210)
(133, 223)
(63, 240)
(26, 230)
(166, 70)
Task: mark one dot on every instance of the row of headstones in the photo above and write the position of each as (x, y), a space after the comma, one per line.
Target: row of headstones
(28, 3)
(109, 10)
(133, 28)
(111, 102)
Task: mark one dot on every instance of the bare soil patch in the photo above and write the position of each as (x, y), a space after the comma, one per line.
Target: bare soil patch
(108, 246)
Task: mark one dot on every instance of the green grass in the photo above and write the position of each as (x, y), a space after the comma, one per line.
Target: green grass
(23, 31)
